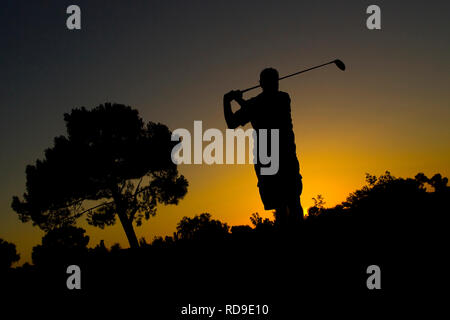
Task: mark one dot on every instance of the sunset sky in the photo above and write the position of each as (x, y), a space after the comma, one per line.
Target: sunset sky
(174, 60)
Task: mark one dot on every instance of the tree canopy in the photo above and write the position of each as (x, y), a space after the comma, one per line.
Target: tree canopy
(110, 156)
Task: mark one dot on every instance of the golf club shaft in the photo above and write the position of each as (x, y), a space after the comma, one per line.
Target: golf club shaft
(291, 75)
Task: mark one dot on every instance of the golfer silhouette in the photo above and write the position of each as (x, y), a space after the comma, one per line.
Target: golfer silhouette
(271, 109)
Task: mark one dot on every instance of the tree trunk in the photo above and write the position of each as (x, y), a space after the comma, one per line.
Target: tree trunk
(129, 230)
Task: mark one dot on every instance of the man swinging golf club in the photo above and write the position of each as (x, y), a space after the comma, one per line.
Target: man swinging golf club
(271, 109)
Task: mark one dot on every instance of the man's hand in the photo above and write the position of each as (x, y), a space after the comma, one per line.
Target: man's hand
(238, 95)
(230, 118)
(232, 95)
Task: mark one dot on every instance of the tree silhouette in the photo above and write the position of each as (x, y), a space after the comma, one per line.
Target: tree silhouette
(110, 156)
(8, 254)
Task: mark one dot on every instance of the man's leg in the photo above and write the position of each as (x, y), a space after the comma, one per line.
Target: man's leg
(281, 217)
(295, 214)
(294, 206)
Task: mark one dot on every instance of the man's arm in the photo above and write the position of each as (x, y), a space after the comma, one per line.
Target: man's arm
(230, 117)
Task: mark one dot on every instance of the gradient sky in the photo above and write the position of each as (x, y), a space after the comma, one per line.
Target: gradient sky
(174, 60)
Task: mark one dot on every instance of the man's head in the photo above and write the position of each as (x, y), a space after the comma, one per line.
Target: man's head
(268, 79)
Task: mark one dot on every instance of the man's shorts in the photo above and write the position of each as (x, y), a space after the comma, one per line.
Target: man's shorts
(279, 190)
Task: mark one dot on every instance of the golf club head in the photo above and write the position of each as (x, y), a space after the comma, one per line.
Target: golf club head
(339, 64)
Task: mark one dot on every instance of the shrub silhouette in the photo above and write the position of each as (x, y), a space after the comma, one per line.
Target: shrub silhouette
(201, 227)
(389, 211)
(60, 245)
(261, 224)
(391, 199)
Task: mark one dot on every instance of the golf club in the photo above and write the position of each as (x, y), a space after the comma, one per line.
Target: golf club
(337, 62)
